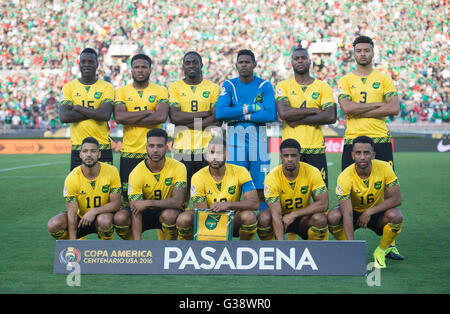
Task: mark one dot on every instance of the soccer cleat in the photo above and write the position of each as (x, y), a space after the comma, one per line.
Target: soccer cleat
(379, 258)
(393, 253)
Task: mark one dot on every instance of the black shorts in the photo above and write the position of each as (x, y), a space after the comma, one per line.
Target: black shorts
(126, 166)
(83, 231)
(383, 152)
(75, 160)
(372, 225)
(150, 218)
(319, 161)
(193, 163)
(295, 228)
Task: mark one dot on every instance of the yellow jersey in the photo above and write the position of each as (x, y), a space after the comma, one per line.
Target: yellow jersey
(315, 95)
(135, 137)
(91, 193)
(376, 87)
(293, 195)
(236, 180)
(365, 193)
(192, 98)
(89, 96)
(143, 184)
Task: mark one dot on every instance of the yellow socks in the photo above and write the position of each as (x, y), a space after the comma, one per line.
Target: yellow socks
(185, 233)
(266, 233)
(60, 235)
(247, 232)
(390, 232)
(124, 232)
(292, 236)
(170, 231)
(106, 234)
(337, 231)
(315, 233)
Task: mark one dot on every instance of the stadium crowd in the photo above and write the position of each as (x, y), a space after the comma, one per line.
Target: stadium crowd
(41, 41)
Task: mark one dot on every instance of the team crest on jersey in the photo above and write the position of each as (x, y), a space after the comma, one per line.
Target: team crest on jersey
(97, 95)
(152, 98)
(206, 94)
(168, 181)
(105, 188)
(304, 189)
(377, 185)
(376, 85)
(259, 98)
(223, 91)
(315, 95)
(232, 189)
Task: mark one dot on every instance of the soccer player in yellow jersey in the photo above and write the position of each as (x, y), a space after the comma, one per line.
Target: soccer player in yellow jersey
(156, 191)
(219, 187)
(87, 105)
(367, 96)
(193, 111)
(289, 189)
(140, 106)
(92, 195)
(305, 104)
(369, 194)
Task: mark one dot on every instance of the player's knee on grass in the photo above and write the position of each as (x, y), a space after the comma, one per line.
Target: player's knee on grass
(185, 219)
(394, 216)
(264, 219)
(57, 223)
(105, 221)
(247, 217)
(319, 220)
(334, 216)
(122, 218)
(169, 216)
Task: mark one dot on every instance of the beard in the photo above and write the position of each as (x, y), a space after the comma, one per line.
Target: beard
(301, 72)
(90, 165)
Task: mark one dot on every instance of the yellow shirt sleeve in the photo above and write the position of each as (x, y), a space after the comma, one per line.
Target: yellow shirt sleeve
(180, 180)
(343, 187)
(343, 89)
(327, 99)
(70, 192)
(271, 189)
(135, 186)
(198, 193)
(67, 95)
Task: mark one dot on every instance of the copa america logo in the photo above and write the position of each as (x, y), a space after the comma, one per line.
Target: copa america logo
(69, 255)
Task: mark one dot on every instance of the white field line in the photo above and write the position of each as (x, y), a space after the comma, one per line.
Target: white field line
(35, 165)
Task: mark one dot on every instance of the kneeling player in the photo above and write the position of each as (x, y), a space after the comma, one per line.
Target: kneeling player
(156, 189)
(92, 194)
(368, 192)
(218, 187)
(288, 189)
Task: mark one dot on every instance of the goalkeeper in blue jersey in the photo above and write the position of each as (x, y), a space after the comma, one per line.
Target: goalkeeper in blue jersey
(247, 103)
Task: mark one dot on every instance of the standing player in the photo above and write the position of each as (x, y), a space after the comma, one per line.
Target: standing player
(368, 194)
(192, 110)
(305, 104)
(367, 96)
(288, 190)
(92, 194)
(247, 103)
(218, 187)
(140, 107)
(87, 105)
(156, 191)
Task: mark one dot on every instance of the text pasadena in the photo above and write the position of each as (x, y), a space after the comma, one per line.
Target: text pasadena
(265, 258)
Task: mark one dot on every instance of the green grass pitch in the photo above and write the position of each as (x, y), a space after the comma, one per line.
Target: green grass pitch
(31, 193)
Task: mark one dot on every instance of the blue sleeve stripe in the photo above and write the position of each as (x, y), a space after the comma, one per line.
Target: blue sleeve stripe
(248, 186)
